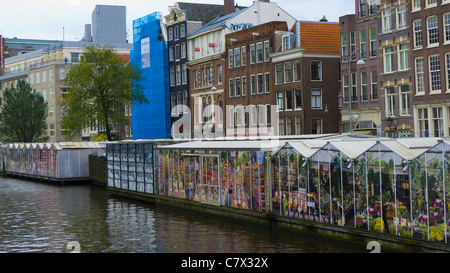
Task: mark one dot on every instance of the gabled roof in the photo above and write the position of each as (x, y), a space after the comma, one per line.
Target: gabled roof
(200, 12)
(319, 37)
(218, 22)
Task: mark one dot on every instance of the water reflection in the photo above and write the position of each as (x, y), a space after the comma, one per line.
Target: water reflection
(37, 217)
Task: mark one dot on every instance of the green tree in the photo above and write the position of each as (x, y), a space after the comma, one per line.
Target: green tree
(24, 114)
(99, 88)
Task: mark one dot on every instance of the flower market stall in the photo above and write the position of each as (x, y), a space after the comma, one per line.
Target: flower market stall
(130, 165)
(52, 161)
(226, 173)
(430, 193)
(294, 185)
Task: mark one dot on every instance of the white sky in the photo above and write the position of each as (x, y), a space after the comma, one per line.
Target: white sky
(46, 19)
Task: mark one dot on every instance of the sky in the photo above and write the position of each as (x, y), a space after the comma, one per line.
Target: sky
(65, 19)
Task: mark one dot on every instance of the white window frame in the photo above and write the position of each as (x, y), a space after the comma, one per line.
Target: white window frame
(267, 82)
(278, 74)
(447, 72)
(253, 115)
(237, 57)
(243, 56)
(390, 102)
(405, 108)
(364, 88)
(401, 17)
(286, 100)
(244, 86)
(252, 54)
(316, 99)
(446, 28)
(419, 75)
(280, 102)
(418, 33)
(430, 3)
(266, 51)
(296, 71)
(260, 83)
(403, 54)
(424, 123)
(415, 5)
(344, 45)
(320, 72)
(434, 75)
(253, 83)
(386, 20)
(363, 43)
(373, 85)
(388, 56)
(438, 121)
(287, 71)
(432, 31)
(237, 87)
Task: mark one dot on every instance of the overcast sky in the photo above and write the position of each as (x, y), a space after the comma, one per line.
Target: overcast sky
(50, 19)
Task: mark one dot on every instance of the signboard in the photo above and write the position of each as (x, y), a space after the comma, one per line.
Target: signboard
(145, 52)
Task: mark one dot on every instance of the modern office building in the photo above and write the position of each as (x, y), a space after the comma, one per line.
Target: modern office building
(108, 25)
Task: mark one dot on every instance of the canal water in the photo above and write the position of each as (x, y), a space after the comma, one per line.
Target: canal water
(46, 218)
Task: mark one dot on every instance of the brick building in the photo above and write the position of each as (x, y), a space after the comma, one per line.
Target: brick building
(249, 79)
(359, 41)
(183, 19)
(430, 60)
(306, 65)
(207, 61)
(394, 68)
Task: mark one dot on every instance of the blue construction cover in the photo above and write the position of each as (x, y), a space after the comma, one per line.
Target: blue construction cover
(150, 54)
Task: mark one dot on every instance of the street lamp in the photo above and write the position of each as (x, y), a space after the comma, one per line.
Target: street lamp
(358, 63)
(389, 121)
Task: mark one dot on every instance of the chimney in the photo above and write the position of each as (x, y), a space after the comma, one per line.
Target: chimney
(228, 6)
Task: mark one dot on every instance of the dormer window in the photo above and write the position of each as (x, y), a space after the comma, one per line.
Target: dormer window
(286, 42)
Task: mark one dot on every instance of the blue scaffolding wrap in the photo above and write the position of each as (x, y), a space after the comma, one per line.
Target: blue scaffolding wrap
(150, 54)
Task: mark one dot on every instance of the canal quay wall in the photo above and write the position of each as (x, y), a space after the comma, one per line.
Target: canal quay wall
(275, 223)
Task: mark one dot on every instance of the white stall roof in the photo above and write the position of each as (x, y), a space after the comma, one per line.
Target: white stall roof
(403, 151)
(307, 148)
(352, 149)
(58, 145)
(263, 145)
(418, 143)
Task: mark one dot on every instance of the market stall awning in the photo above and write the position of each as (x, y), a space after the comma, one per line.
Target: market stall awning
(306, 148)
(264, 145)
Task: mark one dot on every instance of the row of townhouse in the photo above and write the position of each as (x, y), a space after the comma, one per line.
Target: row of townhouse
(252, 71)
(395, 68)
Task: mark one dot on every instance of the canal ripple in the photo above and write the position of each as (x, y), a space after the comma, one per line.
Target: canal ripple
(45, 218)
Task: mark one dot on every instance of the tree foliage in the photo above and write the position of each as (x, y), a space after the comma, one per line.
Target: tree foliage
(24, 114)
(99, 88)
